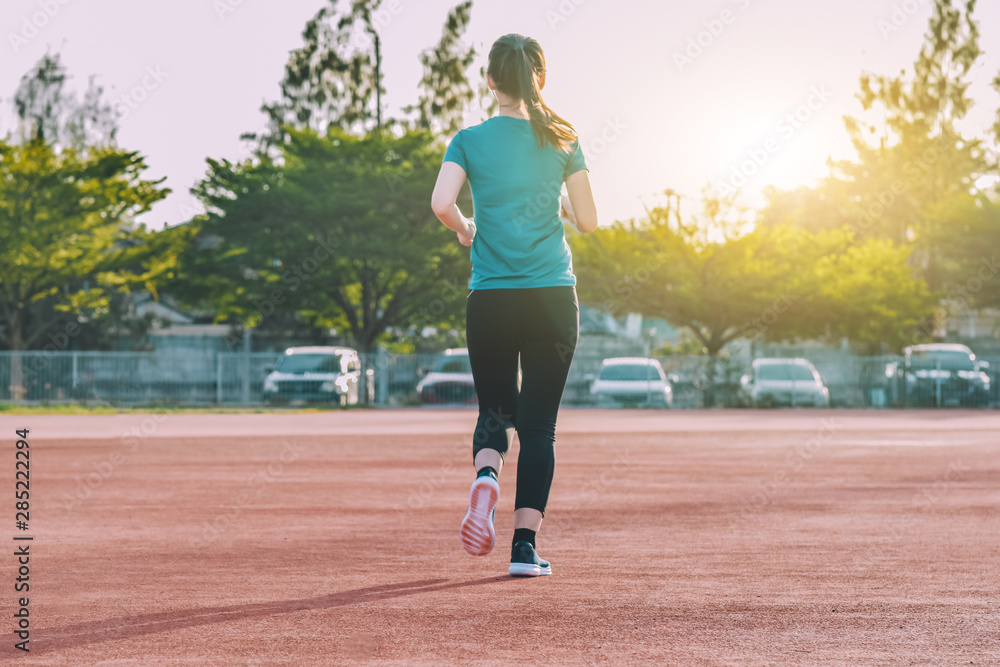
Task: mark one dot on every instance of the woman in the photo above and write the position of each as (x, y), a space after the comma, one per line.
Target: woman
(522, 304)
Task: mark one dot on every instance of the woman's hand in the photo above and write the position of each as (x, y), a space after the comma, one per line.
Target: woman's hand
(566, 213)
(466, 239)
(566, 209)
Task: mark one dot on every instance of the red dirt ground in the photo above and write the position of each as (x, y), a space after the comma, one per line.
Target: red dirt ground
(683, 538)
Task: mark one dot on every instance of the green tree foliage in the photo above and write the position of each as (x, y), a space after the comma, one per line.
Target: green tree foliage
(713, 277)
(66, 237)
(705, 274)
(972, 253)
(445, 89)
(486, 99)
(329, 225)
(340, 233)
(914, 179)
(68, 199)
(69, 246)
(48, 112)
(324, 119)
(869, 295)
(913, 160)
(724, 279)
(996, 125)
(330, 80)
(911, 154)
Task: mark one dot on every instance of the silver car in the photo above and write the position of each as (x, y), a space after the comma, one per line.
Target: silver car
(315, 374)
(450, 381)
(777, 382)
(631, 382)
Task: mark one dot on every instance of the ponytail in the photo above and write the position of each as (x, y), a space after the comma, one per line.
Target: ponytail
(516, 63)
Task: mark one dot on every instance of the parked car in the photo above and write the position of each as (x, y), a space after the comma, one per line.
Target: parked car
(450, 381)
(938, 375)
(631, 382)
(315, 374)
(778, 382)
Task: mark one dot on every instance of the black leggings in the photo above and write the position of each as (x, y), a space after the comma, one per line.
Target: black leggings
(541, 325)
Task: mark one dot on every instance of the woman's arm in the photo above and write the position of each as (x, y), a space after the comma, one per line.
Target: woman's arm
(443, 202)
(580, 206)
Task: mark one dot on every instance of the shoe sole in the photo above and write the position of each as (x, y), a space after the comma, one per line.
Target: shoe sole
(478, 535)
(528, 570)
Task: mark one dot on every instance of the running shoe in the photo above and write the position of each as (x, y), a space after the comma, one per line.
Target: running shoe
(478, 535)
(524, 561)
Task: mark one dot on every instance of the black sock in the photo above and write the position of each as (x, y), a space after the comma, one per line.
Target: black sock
(524, 535)
(483, 472)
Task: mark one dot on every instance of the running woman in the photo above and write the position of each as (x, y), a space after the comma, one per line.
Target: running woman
(522, 304)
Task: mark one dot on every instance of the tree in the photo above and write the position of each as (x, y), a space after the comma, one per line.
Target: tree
(445, 90)
(325, 182)
(341, 234)
(66, 237)
(869, 295)
(827, 206)
(68, 200)
(724, 279)
(331, 80)
(47, 112)
(708, 275)
(972, 252)
(996, 125)
(912, 157)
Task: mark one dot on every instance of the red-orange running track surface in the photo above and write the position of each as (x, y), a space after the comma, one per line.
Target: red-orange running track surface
(676, 538)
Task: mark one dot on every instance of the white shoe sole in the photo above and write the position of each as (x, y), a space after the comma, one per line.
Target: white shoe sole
(478, 535)
(528, 570)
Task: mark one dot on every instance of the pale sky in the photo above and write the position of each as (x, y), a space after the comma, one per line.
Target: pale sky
(648, 121)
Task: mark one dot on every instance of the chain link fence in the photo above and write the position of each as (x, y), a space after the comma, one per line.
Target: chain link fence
(239, 378)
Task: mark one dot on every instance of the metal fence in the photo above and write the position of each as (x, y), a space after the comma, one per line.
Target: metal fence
(237, 378)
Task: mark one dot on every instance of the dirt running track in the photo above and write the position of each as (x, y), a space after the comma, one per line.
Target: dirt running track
(684, 538)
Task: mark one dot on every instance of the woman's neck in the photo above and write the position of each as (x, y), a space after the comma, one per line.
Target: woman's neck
(514, 110)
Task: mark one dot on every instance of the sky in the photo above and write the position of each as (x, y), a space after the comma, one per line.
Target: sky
(669, 94)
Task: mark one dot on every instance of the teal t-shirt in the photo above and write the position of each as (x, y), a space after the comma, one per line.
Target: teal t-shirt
(515, 185)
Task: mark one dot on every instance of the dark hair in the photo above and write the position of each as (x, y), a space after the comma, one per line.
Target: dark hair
(516, 64)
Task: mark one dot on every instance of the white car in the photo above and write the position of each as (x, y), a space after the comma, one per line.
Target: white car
(631, 382)
(450, 381)
(791, 382)
(315, 374)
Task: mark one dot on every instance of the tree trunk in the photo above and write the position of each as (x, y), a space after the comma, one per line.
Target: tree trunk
(714, 346)
(710, 380)
(366, 352)
(17, 390)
